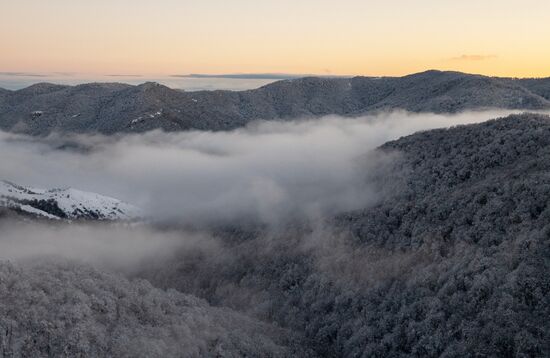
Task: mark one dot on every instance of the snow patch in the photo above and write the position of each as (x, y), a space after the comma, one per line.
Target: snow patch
(73, 203)
(147, 116)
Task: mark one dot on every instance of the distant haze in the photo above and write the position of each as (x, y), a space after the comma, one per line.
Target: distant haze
(18, 80)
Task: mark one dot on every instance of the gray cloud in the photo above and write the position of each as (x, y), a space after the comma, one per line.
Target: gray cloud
(22, 74)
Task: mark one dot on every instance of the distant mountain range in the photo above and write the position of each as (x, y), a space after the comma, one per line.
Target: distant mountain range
(63, 204)
(113, 107)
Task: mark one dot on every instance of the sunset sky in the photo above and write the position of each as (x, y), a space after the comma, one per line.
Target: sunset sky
(338, 37)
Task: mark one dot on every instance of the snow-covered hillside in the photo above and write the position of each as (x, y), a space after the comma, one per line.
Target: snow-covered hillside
(65, 203)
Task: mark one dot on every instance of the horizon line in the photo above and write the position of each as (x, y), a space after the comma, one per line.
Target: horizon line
(276, 77)
(238, 75)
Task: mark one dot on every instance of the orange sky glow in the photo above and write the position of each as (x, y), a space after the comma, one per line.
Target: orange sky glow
(345, 37)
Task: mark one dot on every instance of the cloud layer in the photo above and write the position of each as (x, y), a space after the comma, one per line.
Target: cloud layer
(268, 171)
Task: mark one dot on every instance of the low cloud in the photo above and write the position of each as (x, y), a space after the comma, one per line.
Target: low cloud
(22, 74)
(267, 172)
(115, 247)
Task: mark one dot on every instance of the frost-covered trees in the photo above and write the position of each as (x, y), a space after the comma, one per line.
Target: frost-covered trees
(453, 264)
(63, 309)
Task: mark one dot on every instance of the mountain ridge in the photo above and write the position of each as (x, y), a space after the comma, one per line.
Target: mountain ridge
(110, 108)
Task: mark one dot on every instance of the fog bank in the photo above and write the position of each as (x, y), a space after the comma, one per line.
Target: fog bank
(268, 171)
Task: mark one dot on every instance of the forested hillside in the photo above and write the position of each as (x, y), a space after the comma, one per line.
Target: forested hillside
(451, 261)
(454, 263)
(69, 310)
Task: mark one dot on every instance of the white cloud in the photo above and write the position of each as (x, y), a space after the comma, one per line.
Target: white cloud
(268, 171)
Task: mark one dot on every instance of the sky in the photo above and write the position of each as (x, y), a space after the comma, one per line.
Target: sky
(344, 37)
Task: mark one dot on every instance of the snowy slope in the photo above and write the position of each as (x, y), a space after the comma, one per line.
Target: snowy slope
(65, 203)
